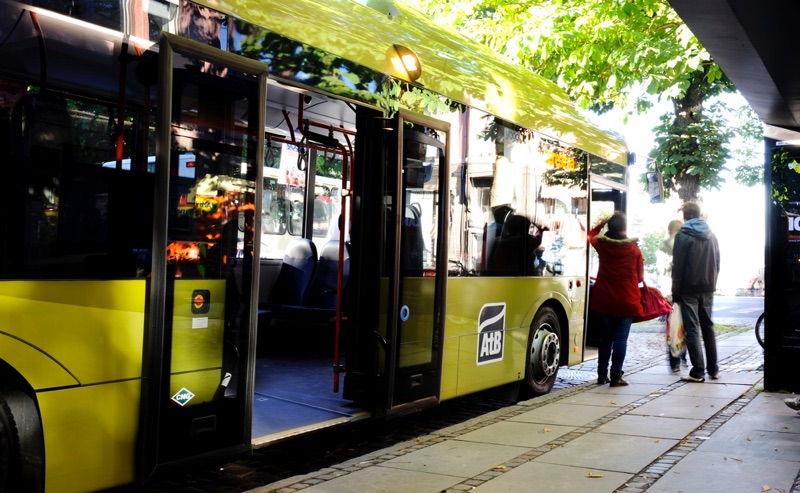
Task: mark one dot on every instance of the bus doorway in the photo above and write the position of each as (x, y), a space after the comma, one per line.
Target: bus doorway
(604, 201)
(304, 278)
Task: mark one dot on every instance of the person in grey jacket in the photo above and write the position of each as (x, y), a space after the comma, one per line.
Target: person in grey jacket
(695, 268)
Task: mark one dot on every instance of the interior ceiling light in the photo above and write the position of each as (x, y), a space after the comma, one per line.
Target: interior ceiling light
(405, 62)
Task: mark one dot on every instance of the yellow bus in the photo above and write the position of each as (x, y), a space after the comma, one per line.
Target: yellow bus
(436, 200)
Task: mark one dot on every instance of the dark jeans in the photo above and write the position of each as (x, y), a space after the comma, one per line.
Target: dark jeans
(696, 312)
(675, 363)
(613, 344)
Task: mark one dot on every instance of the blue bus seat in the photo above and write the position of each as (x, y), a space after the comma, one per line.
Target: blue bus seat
(318, 307)
(322, 291)
(297, 270)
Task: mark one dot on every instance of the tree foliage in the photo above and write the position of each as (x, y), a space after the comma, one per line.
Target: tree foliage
(614, 53)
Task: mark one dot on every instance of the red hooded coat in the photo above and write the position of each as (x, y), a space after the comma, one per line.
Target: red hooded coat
(616, 290)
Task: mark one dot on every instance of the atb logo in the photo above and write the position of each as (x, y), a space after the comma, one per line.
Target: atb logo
(183, 396)
(491, 333)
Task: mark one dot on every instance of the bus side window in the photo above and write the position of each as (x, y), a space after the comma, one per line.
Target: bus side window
(81, 220)
(42, 143)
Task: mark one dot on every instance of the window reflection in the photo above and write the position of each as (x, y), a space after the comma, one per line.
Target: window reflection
(519, 204)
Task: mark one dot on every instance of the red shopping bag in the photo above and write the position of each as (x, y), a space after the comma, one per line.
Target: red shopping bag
(654, 304)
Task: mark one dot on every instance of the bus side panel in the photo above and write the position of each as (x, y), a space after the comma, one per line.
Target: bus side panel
(40, 371)
(94, 329)
(577, 332)
(57, 332)
(472, 363)
(90, 436)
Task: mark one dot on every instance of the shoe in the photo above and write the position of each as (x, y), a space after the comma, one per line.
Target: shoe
(676, 370)
(715, 376)
(690, 378)
(618, 382)
(793, 403)
(602, 380)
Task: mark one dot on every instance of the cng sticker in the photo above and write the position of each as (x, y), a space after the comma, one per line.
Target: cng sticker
(183, 396)
(491, 332)
(201, 301)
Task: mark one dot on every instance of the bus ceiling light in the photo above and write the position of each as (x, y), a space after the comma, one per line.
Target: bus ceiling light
(405, 62)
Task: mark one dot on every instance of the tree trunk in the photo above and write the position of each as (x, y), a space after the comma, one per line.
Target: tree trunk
(687, 112)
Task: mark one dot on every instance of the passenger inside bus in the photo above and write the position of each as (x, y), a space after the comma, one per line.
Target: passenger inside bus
(516, 252)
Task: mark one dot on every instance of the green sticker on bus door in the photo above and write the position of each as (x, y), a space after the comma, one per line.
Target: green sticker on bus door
(183, 396)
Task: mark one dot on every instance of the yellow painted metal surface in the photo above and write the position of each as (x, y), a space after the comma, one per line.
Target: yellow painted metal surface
(452, 65)
(197, 329)
(461, 372)
(201, 383)
(416, 333)
(61, 334)
(93, 329)
(197, 338)
(41, 371)
(90, 436)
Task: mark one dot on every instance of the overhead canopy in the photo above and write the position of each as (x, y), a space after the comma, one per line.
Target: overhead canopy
(756, 45)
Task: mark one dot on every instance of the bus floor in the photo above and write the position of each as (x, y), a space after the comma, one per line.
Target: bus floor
(294, 394)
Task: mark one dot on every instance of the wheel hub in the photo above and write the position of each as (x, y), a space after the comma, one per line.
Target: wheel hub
(546, 349)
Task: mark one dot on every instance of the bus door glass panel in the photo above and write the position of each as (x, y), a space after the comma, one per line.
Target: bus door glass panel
(416, 279)
(210, 227)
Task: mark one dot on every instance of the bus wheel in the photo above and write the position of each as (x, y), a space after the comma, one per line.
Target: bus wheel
(544, 352)
(21, 443)
(9, 449)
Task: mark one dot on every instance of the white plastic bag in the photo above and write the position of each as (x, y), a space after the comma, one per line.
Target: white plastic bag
(675, 333)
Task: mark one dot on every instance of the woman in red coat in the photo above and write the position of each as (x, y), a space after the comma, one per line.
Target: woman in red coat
(615, 297)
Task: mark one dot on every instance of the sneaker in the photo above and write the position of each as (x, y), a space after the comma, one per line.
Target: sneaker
(690, 378)
(618, 382)
(676, 369)
(715, 376)
(602, 380)
(793, 403)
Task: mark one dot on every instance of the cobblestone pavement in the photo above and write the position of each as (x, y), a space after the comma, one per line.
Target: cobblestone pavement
(647, 347)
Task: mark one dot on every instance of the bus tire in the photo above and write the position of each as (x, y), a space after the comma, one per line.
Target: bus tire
(21, 442)
(9, 449)
(544, 352)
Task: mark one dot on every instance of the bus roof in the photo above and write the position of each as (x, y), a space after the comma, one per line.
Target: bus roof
(452, 65)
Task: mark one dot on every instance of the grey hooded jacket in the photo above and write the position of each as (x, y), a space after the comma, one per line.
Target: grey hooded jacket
(695, 259)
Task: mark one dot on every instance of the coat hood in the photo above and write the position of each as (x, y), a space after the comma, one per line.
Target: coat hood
(697, 228)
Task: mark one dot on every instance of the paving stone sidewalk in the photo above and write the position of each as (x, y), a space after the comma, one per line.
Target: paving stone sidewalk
(501, 450)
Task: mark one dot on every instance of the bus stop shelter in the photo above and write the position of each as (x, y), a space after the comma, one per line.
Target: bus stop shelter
(755, 45)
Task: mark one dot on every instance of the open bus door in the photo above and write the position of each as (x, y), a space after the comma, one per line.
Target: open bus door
(198, 386)
(416, 206)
